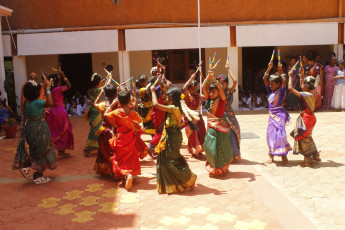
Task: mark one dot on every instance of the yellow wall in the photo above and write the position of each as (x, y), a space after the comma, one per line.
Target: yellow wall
(35, 63)
(221, 54)
(140, 63)
(101, 60)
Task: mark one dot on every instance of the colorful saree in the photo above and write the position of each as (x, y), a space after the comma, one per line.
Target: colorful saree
(235, 132)
(330, 73)
(40, 152)
(95, 120)
(219, 151)
(158, 118)
(196, 138)
(277, 142)
(59, 123)
(318, 87)
(103, 164)
(173, 172)
(145, 110)
(304, 143)
(292, 99)
(126, 158)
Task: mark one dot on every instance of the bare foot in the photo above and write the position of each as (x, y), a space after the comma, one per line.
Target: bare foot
(285, 161)
(270, 160)
(129, 181)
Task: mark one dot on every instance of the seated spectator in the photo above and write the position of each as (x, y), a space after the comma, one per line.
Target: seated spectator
(73, 109)
(81, 108)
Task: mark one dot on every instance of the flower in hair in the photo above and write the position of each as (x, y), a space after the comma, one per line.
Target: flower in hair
(33, 82)
(93, 76)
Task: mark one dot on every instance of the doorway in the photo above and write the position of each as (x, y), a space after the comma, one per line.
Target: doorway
(78, 69)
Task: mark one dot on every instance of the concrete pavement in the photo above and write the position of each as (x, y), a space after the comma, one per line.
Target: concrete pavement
(253, 196)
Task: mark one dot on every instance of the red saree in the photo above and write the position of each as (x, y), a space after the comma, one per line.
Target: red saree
(126, 158)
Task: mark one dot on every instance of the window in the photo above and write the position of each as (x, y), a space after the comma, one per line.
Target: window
(180, 64)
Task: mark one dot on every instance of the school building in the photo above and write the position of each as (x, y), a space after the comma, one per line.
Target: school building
(87, 35)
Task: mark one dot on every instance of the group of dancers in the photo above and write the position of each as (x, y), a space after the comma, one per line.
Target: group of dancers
(163, 111)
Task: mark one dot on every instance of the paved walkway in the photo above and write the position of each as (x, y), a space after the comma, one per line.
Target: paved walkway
(252, 196)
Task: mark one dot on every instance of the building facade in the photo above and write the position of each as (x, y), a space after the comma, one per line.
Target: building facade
(87, 35)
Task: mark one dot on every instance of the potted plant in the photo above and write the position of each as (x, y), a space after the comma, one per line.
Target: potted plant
(10, 127)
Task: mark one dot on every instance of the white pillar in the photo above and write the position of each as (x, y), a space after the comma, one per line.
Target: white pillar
(339, 50)
(2, 67)
(235, 62)
(20, 75)
(124, 66)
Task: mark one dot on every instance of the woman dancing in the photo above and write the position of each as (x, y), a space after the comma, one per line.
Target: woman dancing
(219, 151)
(57, 118)
(40, 154)
(196, 137)
(304, 143)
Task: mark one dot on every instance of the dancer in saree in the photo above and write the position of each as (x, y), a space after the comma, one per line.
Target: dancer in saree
(145, 110)
(158, 116)
(277, 142)
(93, 115)
(219, 151)
(316, 71)
(292, 99)
(104, 160)
(35, 149)
(196, 137)
(126, 159)
(57, 118)
(304, 143)
(235, 132)
(173, 172)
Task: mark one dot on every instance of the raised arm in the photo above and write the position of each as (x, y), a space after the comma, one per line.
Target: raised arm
(291, 88)
(233, 78)
(206, 84)
(220, 88)
(155, 101)
(65, 79)
(270, 65)
(49, 102)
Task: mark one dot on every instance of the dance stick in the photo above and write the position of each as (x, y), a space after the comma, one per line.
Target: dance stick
(210, 63)
(273, 55)
(123, 83)
(279, 55)
(53, 69)
(198, 67)
(214, 57)
(300, 62)
(157, 80)
(133, 84)
(227, 61)
(157, 61)
(294, 67)
(44, 76)
(59, 66)
(215, 65)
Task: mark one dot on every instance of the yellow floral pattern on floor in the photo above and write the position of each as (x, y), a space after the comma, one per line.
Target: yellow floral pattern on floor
(79, 198)
(83, 199)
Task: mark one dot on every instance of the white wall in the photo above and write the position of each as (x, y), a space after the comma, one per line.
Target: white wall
(67, 42)
(177, 38)
(6, 44)
(20, 75)
(101, 60)
(287, 34)
(2, 66)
